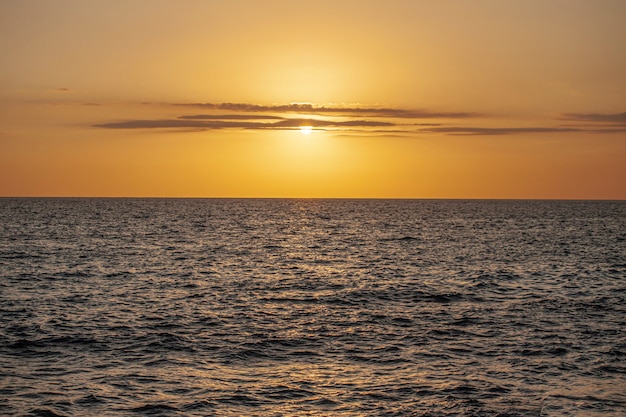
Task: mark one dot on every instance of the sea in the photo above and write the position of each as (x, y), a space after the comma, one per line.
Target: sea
(312, 307)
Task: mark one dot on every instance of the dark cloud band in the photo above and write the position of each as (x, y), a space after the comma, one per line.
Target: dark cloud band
(185, 122)
(597, 117)
(306, 108)
(487, 131)
(245, 116)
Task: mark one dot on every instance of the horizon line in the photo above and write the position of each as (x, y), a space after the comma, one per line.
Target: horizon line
(314, 198)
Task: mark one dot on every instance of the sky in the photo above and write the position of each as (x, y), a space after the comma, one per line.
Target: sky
(313, 99)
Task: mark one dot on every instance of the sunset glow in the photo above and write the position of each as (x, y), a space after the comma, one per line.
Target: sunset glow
(421, 100)
(313, 208)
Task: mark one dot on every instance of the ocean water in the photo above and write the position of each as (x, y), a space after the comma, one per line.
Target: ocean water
(209, 307)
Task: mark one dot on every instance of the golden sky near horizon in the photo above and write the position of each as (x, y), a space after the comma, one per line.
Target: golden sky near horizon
(242, 98)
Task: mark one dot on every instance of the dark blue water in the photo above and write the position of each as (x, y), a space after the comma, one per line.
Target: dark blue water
(118, 307)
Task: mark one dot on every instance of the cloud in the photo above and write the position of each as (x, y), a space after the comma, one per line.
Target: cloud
(353, 119)
(262, 122)
(487, 131)
(330, 123)
(181, 124)
(307, 108)
(619, 130)
(597, 117)
(248, 116)
(197, 122)
(229, 117)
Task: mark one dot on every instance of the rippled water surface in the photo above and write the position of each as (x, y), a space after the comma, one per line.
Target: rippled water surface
(117, 307)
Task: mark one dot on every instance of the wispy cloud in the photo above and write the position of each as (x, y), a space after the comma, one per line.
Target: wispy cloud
(619, 118)
(339, 110)
(229, 117)
(185, 122)
(330, 123)
(248, 116)
(180, 123)
(487, 131)
(359, 120)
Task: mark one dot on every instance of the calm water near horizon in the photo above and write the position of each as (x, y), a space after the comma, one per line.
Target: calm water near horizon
(225, 307)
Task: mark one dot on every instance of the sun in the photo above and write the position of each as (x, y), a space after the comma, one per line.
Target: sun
(306, 130)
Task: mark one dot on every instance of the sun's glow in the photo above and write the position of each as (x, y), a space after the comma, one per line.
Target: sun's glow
(306, 129)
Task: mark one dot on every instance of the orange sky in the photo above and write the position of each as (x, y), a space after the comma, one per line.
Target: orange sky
(406, 99)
